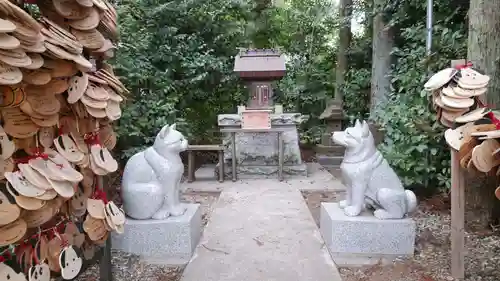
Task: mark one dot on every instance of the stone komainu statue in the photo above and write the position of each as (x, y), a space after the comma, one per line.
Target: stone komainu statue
(151, 179)
(369, 179)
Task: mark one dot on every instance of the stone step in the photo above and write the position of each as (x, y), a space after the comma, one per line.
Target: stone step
(263, 171)
(329, 161)
(333, 150)
(335, 171)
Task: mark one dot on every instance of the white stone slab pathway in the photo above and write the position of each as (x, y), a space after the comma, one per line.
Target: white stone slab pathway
(261, 230)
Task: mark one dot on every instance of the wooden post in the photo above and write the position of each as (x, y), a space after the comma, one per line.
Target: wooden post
(191, 159)
(221, 165)
(457, 217)
(233, 154)
(280, 156)
(457, 210)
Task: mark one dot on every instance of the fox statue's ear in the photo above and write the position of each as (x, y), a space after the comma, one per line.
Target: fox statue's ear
(164, 131)
(366, 129)
(357, 124)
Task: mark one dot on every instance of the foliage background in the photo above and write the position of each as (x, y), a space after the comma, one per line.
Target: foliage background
(177, 58)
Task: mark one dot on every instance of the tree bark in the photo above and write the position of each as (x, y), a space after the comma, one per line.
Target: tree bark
(382, 44)
(484, 53)
(368, 7)
(345, 36)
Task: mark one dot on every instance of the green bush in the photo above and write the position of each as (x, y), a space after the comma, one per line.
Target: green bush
(177, 59)
(414, 143)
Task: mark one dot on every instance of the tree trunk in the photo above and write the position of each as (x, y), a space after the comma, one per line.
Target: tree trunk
(368, 7)
(383, 42)
(345, 35)
(484, 53)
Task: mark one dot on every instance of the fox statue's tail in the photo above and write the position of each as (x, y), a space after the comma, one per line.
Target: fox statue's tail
(411, 201)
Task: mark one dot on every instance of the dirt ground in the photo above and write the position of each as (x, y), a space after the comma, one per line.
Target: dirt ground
(128, 267)
(430, 263)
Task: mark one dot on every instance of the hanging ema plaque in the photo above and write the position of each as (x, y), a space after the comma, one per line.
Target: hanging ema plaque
(256, 119)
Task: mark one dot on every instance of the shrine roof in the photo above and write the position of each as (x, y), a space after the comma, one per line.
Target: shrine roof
(265, 62)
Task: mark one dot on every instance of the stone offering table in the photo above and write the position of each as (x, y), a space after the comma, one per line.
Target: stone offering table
(234, 160)
(257, 152)
(365, 240)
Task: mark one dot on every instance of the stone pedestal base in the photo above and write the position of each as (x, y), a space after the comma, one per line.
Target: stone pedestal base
(365, 240)
(169, 242)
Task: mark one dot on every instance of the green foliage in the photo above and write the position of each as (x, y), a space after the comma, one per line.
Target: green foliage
(177, 59)
(357, 94)
(414, 140)
(414, 143)
(305, 30)
(358, 78)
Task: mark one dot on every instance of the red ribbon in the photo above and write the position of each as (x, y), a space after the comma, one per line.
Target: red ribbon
(462, 66)
(101, 195)
(490, 115)
(36, 154)
(33, 255)
(49, 233)
(60, 130)
(3, 258)
(92, 138)
(494, 120)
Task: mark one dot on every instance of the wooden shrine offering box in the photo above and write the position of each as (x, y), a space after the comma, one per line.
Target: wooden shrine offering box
(259, 68)
(256, 119)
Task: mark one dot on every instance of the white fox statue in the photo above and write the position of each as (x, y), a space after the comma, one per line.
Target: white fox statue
(151, 179)
(369, 179)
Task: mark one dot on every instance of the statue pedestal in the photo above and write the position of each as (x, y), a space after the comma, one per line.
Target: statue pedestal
(365, 240)
(169, 242)
(257, 153)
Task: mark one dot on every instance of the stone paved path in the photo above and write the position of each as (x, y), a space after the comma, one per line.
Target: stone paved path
(261, 230)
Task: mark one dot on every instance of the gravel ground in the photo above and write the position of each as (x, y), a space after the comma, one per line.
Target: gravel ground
(430, 263)
(432, 257)
(127, 267)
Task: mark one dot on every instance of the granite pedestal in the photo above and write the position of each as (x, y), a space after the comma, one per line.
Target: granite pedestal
(257, 153)
(365, 240)
(169, 242)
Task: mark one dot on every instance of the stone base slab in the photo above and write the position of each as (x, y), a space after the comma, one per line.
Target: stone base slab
(364, 240)
(169, 242)
(251, 172)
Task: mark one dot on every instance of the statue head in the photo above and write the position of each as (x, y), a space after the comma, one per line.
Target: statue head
(169, 141)
(355, 137)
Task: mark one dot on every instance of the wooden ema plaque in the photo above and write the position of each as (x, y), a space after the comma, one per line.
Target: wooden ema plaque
(256, 119)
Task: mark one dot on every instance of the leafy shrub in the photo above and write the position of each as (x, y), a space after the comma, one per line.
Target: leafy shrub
(177, 58)
(414, 142)
(357, 94)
